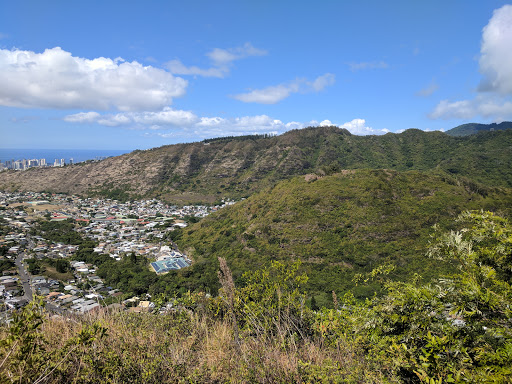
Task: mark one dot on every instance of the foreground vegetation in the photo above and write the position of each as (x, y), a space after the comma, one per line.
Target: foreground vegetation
(456, 328)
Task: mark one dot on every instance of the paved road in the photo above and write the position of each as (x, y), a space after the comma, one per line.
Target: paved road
(25, 279)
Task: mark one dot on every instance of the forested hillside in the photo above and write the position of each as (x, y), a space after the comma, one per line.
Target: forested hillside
(472, 128)
(337, 225)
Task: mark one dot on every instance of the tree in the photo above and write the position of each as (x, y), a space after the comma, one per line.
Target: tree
(272, 302)
(62, 266)
(459, 327)
(314, 305)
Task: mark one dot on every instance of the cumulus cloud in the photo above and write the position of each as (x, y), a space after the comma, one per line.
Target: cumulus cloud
(367, 65)
(325, 123)
(56, 79)
(277, 93)
(494, 98)
(211, 127)
(208, 127)
(165, 117)
(221, 59)
(496, 53)
(178, 123)
(355, 126)
(359, 127)
(485, 106)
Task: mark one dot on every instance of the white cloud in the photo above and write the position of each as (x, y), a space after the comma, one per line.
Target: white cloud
(367, 65)
(185, 122)
(177, 67)
(269, 95)
(355, 126)
(216, 126)
(428, 90)
(325, 123)
(496, 53)
(486, 106)
(463, 109)
(322, 82)
(359, 127)
(165, 117)
(494, 100)
(82, 117)
(56, 79)
(211, 122)
(221, 59)
(277, 93)
(115, 120)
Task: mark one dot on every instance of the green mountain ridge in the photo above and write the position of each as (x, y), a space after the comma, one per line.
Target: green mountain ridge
(207, 171)
(338, 225)
(473, 128)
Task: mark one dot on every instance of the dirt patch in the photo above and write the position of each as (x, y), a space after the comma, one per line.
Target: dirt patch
(311, 177)
(45, 207)
(188, 198)
(52, 273)
(345, 172)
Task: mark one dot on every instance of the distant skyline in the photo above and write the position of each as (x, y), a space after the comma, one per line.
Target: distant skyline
(50, 155)
(141, 74)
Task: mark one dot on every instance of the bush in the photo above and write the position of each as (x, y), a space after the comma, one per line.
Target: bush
(456, 329)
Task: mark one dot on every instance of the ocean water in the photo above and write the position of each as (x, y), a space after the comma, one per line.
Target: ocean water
(50, 155)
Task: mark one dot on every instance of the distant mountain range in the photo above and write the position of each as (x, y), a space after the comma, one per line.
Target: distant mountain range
(240, 166)
(472, 128)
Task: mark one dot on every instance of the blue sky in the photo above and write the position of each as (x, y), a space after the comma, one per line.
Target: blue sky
(141, 74)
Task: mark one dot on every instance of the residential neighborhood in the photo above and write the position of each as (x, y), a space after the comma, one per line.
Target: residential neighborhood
(33, 263)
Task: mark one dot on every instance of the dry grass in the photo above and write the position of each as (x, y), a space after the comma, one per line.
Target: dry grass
(186, 347)
(52, 273)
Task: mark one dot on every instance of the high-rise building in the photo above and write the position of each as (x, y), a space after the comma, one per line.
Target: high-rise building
(62, 162)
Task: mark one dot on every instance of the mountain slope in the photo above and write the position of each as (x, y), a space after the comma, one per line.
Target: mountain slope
(206, 171)
(473, 128)
(337, 225)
